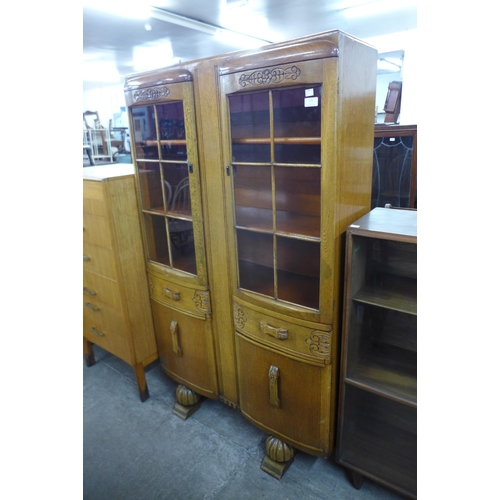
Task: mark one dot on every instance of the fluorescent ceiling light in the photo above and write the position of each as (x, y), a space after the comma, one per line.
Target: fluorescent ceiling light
(137, 9)
(388, 65)
(210, 29)
(376, 7)
(148, 56)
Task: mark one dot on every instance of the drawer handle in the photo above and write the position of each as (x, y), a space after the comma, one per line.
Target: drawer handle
(174, 330)
(171, 294)
(90, 306)
(86, 258)
(278, 333)
(94, 330)
(87, 290)
(274, 399)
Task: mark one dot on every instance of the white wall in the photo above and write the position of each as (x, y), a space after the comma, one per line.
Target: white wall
(107, 101)
(407, 41)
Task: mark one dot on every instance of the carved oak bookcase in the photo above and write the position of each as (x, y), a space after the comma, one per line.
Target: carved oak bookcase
(280, 141)
(167, 172)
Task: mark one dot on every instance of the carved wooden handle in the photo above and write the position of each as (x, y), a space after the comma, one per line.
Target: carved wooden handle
(274, 399)
(174, 330)
(279, 333)
(171, 294)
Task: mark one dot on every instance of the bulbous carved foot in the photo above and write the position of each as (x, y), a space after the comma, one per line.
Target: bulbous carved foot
(279, 457)
(187, 402)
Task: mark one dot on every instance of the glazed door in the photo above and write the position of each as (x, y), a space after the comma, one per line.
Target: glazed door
(164, 145)
(274, 159)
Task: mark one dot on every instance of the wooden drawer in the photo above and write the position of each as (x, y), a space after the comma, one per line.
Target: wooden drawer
(96, 230)
(299, 339)
(193, 301)
(99, 260)
(113, 343)
(105, 317)
(286, 395)
(97, 287)
(93, 198)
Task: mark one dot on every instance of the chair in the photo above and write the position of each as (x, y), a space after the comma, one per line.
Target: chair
(96, 126)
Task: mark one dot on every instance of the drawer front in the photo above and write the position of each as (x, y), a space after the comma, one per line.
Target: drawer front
(288, 396)
(312, 343)
(104, 316)
(106, 338)
(184, 348)
(93, 198)
(96, 230)
(195, 302)
(99, 260)
(97, 287)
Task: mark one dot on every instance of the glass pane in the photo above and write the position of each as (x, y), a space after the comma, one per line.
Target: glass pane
(182, 245)
(255, 261)
(298, 271)
(156, 235)
(392, 160)
(297, 125)
(298, 200)
(380, 437)
(383, 350)
(150, 183)
(253, 197)
(250, 127)
(176, 185)
(144, 126)
(172, 131)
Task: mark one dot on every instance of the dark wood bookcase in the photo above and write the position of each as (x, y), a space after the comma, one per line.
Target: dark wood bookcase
(377, 425)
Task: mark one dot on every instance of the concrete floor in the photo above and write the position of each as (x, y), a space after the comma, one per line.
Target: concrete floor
(135, 451)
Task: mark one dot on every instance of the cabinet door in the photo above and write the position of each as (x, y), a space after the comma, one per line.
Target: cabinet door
(285, 395)
(275, 161)
(164, 144)
(185, 349)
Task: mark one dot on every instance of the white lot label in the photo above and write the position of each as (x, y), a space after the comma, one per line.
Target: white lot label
(309, 92)
(310, 102)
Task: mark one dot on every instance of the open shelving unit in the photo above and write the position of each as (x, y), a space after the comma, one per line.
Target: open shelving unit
(378, 381)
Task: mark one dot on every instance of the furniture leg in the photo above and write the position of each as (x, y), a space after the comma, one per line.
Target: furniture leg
(356, 478)
(141, 382)
(279, 457)
(187, 402)
(88, 352)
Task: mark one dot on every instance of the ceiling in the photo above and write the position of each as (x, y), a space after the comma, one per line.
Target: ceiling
(182, 30)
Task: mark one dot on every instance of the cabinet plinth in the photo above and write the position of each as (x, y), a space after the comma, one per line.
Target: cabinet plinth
(116, 311)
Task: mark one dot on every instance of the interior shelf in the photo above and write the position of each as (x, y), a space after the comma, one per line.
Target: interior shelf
(387, 370)
(164, 142)
(277, 140)
(398, 296)
(288, 223)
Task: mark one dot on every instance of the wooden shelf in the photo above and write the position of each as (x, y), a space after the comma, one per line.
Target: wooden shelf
(287, 223)
(388, 371)
(178, 214)
(401, 297)
(164, 142)
(277, 140)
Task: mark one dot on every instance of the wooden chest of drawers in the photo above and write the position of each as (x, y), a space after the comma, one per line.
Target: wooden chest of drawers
(116, 309)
